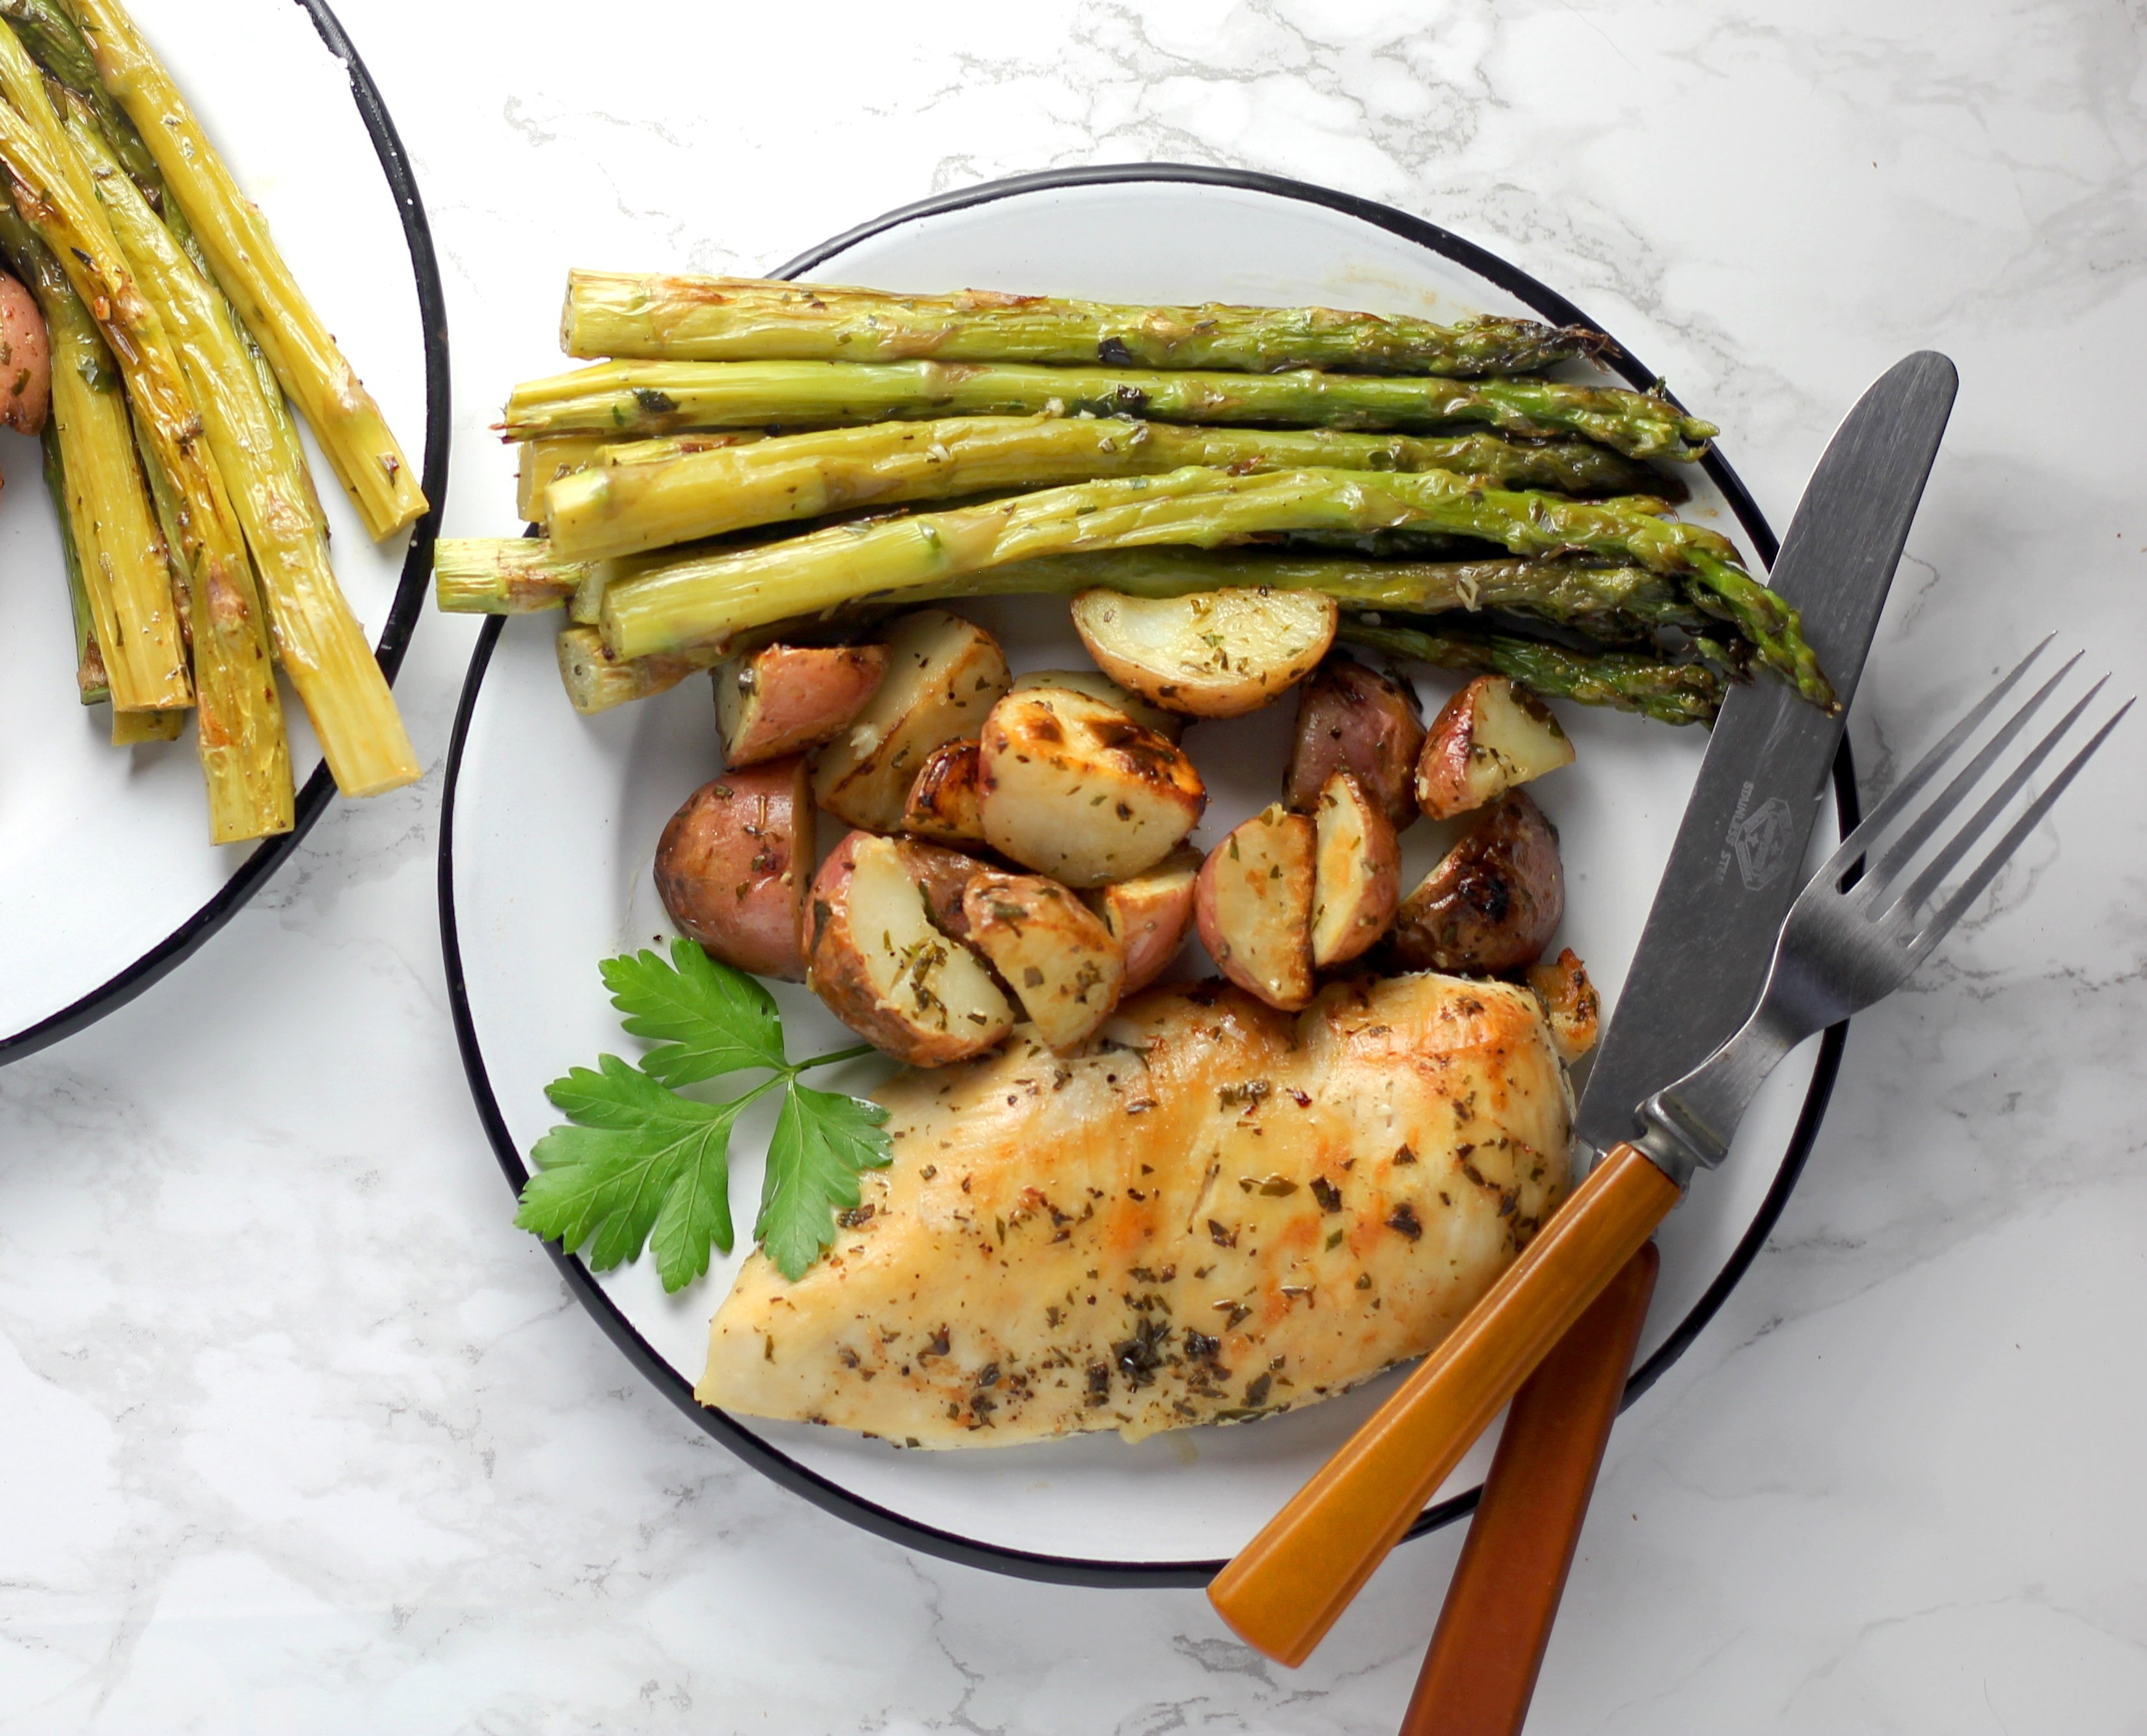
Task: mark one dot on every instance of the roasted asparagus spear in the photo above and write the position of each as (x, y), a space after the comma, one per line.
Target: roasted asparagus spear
(630, 502)
(661, 398)
(235, 237)
(318, 641)
(245, 758)
(682, 319)
(1670, 692)
(97, 486)
(707, 598)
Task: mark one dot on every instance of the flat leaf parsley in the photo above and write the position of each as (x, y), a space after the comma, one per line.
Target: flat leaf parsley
(642, 1165)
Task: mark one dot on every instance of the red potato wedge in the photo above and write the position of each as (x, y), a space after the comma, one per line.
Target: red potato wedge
(786, 699)
(1354, 719)
(732, 865)
(1050, 948)
(1254, 903)
(1213, 654)
(1490, 737)
(1492, 905)
(1077, 790)
(884, 969)
(1356, 876)
(1571, 1007)
(1097, 685)
(943, 876)
(945, 803)
(943, 674)
(26, 361)
(1149, 916)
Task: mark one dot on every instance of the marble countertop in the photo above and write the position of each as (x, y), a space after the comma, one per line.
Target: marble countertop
(302, 1435)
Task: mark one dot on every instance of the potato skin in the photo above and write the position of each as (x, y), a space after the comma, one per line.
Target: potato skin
(945, 804)
(732, 866)
(26, 360)
(1490, 737)
(1354, 719)
(1571, 1006)
(1357, 874)
(1253, 901)
(837, 971)
(785, 698)
(1209, 654)
(943, 876)
(1492, 905)
(1077, 790)
(1064, 965)
(1149, 915)
(943, 674)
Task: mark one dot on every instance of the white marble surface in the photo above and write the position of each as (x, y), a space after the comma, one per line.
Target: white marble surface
(299, 1435)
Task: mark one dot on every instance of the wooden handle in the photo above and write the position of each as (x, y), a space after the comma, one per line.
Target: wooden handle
(1480, 1672)
(1285, 1588)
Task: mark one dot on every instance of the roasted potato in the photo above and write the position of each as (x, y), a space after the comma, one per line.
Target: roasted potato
(943, 675)
(1490, 737)
(1356, 874)
(1254, 903)
(1077, 790)
(944, 804)
(882, 967)
(1050, 948)
(1097, 685)
(1149, 915)
(733, 864)
(943, 876)
(1492, 905)
(787, 698)
(1213, 654)
(1351, 719)
(1571, 1006)
(26, 361)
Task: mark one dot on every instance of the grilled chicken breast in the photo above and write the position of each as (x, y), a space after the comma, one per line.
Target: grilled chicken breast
(1212, 1211)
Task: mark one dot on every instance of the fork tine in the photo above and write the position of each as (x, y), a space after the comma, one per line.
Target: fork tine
(1934, 872)
(1926, 769)
(1899, 852)
(1942, 920)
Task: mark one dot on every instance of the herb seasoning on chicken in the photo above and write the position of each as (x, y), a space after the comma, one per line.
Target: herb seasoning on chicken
(1212, 1211)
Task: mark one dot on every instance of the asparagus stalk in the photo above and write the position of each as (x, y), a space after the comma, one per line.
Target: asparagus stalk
(524, 575)
(234, 235)
(1670, 692)
(318, 641)
(626, 507)
(707, 598)
(501, 575)
(596, 681)
(97, 486)
(245, 758)
(547, 461)
(681, 318)
(659, 398)
(91, 681)
(132, 728)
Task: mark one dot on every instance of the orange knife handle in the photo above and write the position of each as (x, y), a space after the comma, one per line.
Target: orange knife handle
(1480, 1672)
(1287, 1587)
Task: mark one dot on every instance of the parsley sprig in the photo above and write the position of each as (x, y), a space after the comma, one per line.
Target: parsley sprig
(643, 1165)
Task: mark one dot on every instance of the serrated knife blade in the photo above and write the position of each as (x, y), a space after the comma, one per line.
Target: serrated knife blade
(1732, 874)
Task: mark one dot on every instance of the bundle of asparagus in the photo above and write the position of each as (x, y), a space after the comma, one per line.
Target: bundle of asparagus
(754, 460)
(197, 548)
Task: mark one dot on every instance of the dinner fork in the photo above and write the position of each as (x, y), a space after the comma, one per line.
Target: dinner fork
(1857, 931)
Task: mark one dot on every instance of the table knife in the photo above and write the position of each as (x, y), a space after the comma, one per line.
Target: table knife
(1701, 964)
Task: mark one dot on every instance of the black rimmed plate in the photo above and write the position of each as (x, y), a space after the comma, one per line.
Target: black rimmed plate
(551, 821)
(107, 879)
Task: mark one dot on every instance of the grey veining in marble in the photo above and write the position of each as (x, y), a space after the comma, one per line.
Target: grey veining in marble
(300, 1435)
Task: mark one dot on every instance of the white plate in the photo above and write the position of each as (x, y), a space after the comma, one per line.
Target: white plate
(109, 877)
(551, 822)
